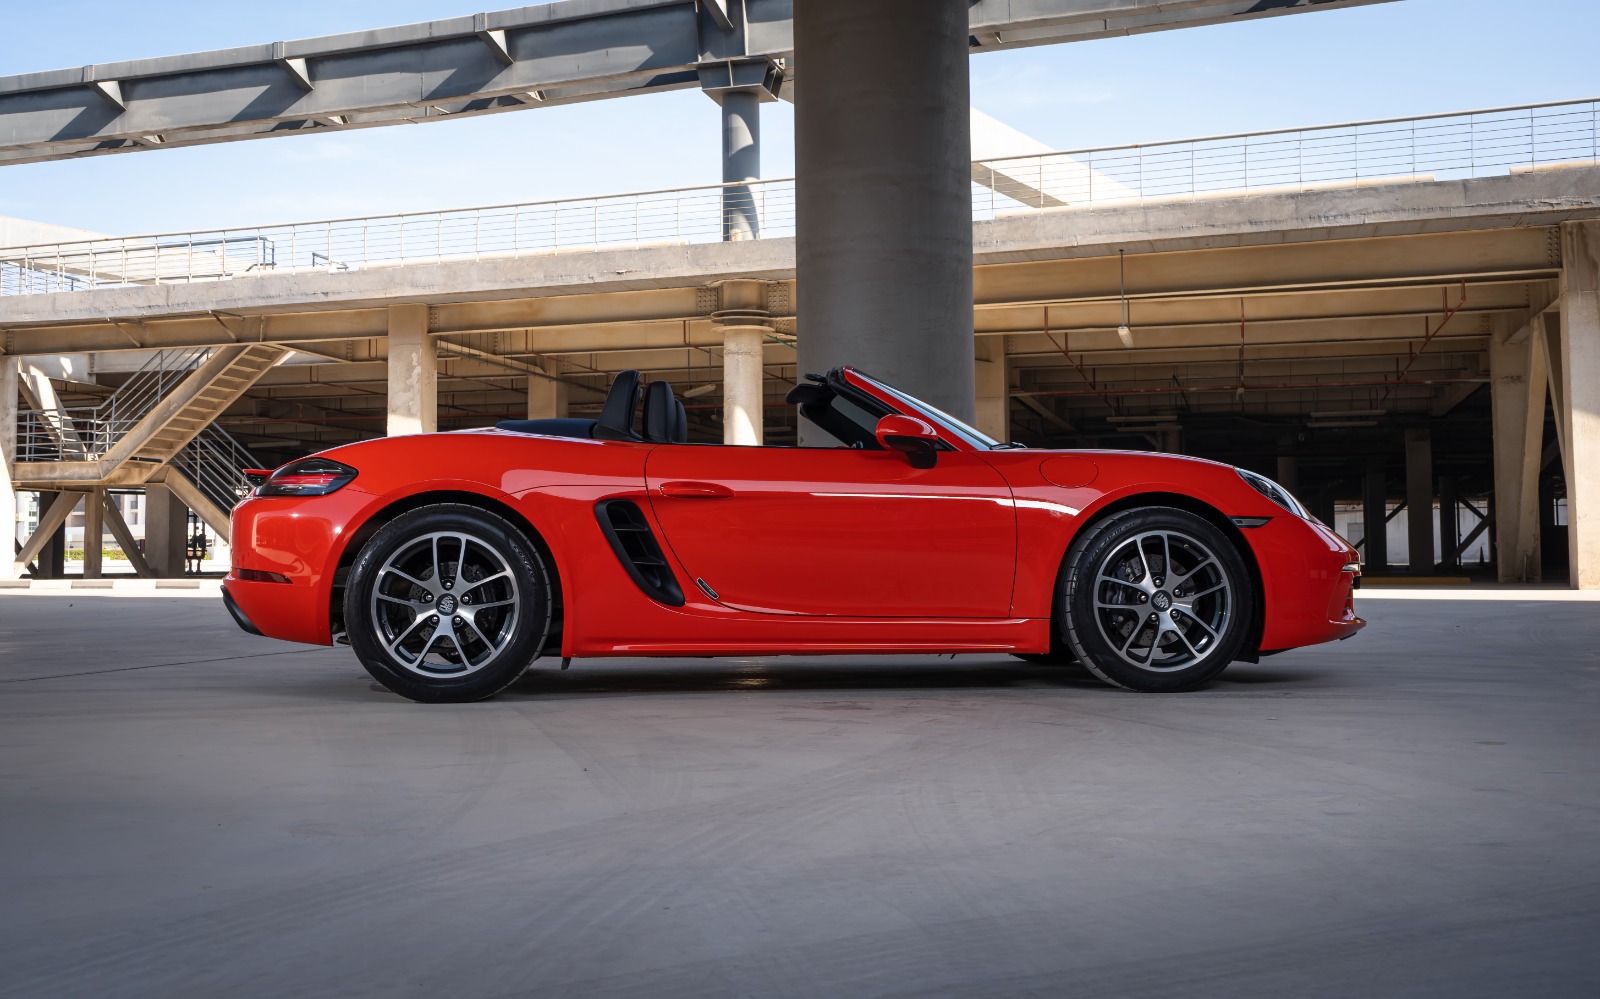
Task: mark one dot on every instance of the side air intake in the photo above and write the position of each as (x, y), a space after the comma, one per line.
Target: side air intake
(638, 550)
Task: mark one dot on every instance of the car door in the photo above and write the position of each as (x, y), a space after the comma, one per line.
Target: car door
(856, 533)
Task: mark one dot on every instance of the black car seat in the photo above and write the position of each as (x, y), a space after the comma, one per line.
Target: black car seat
(664, 418)
(616, 418)
(622, 404)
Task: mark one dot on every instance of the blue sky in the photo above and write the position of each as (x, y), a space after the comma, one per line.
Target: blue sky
(1386, 60)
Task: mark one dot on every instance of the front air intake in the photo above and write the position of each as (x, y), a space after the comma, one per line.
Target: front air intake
(636, 547)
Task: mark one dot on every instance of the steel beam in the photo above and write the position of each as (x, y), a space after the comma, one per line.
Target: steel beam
(535, 56)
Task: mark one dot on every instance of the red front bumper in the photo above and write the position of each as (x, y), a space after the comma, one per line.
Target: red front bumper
(1308, 576)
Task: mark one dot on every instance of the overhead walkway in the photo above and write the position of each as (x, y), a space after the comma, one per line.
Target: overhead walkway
(529, 57)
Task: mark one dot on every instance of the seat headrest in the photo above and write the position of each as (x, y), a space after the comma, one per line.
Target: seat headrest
(660, 413)
(680, 429)
(622, 404)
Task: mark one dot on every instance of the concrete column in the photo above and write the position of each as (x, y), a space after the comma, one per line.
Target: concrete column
(166, 531)
(94, 533)
(1449, 523)
(993, 379)
(10, 375)
(1517, 377)
(1419, 501)
(413, 372)
(741, 163)
(547, 398)
(52, 558)
(1580, 397)
(1375, 549)
(743, 396)
(884, 192)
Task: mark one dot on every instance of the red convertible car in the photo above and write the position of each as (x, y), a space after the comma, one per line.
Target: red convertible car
(451, 561)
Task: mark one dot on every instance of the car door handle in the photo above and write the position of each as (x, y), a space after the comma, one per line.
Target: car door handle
(696, 490)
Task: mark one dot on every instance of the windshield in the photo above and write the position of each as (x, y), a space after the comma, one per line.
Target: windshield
(971, 435)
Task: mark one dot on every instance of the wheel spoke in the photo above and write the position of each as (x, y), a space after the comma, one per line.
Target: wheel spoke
(1176, 579)
(1192, 597)
(467, 621)
(413, 604)
(432, 555)
(394, 646)
(1177, 629)
(502, 574)
(390, 570)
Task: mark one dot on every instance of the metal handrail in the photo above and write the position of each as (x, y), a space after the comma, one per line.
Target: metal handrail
(89, 432)
(215, 462)
(1428, 147)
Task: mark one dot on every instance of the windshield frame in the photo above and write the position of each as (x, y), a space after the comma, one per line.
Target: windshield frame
(974, 438)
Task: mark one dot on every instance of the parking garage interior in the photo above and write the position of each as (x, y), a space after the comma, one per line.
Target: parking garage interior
(1398, 319)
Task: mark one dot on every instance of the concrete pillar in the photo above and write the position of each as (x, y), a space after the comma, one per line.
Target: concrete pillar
(1419, 501)
(741, 163)
(743, 397)
(993, 378)
(1375, 527)
(413, 372)
(94, 532)
(52, 558)
(1517, 394)
(1449, 523)
(166, 531)
(547, 398)
(1288, 465)
(10, 375)
(1580, 397)
(884, 194)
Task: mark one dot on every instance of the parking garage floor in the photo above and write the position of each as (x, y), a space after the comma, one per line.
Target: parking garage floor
(189, 811)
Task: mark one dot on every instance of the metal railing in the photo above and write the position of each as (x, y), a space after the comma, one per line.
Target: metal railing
(215, 463)
(1452, 146)
(82, 434)
(1435, 147)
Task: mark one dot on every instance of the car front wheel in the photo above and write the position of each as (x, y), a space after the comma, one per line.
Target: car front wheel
(448, 603)
(1157, 599)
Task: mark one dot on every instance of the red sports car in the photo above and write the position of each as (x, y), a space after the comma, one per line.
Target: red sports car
(451, 561)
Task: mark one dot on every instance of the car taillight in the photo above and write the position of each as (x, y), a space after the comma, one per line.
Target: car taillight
(307, 477)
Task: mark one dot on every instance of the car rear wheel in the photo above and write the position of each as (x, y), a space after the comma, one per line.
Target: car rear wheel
(1157, 599)
(448, 603)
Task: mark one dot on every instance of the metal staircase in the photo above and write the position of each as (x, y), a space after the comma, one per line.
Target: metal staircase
(142, 426)
(157, 427)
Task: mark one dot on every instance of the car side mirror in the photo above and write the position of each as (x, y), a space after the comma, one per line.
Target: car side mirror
(914, 438)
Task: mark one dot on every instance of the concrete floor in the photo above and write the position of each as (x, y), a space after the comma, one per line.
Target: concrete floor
(188, 811)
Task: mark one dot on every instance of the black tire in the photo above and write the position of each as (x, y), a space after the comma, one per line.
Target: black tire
(1130, 606)
(448, 557)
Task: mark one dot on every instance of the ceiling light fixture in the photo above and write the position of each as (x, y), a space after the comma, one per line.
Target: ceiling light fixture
(1124, 332)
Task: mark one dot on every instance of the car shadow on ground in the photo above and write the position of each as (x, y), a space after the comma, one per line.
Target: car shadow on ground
(675, 676)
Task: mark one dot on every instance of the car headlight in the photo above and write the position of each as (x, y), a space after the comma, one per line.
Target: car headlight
(307, 477)
(1274, 492)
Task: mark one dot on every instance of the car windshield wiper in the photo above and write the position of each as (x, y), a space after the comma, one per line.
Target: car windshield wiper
(1010, 446)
